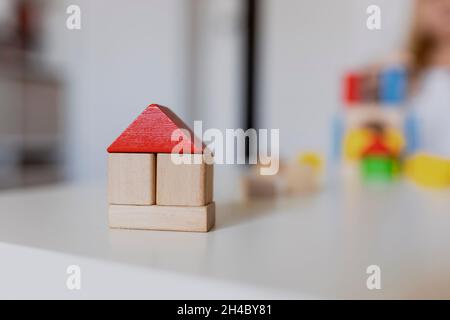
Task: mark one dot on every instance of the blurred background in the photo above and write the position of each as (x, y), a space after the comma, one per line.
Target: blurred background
(66, 94)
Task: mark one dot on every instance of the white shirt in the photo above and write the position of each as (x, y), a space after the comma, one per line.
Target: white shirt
(431, 107)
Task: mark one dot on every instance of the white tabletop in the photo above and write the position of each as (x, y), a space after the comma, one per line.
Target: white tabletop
(304, 247)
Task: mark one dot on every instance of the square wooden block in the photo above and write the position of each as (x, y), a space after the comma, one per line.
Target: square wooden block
(131, 178)
(169, 218)
(183, 184)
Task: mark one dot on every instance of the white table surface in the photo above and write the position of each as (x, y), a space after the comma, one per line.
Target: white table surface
(316, 246)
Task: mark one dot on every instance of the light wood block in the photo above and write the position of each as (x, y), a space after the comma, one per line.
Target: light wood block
(169, 218)
(183, 184)
(131, 178)
(301, 179)
(259, 187)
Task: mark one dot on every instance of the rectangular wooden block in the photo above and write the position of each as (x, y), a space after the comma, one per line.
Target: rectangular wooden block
(259, 187)
(131, 178)
(183, 184)
(169, 218)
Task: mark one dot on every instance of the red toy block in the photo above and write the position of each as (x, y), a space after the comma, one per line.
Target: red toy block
(352, 88)
(151, 133)
(377, 148)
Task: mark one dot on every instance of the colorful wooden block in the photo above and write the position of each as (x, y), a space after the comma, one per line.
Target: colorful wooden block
(378, 168)
(183, 184)
(352, 89)
(151, 132)
(428, 170)
(131, 178)
(169, 218)
(393, 86)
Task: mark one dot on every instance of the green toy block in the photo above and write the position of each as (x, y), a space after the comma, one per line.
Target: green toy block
(379, 168)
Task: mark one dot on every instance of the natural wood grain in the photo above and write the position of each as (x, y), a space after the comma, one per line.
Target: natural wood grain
(151, 133)
(169, 218)
(183, 184)
(131, 178)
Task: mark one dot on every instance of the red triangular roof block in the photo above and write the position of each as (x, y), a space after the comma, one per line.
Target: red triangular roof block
(151, 133)
(377, 148)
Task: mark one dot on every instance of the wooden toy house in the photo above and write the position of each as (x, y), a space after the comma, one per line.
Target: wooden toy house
(147, 189)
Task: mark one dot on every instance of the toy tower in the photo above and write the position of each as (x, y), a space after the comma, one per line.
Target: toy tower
(373, 135)
(147, 189)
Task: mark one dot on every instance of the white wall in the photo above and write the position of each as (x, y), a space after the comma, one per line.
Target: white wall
(126, 56)
(186, 54)
(217, 62)
(307, 45)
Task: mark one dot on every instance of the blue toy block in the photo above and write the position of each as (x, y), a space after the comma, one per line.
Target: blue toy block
(411, 131)
(393, 86)
(337, 136)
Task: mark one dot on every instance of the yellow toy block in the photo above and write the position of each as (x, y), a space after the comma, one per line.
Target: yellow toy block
(428, 170)
(311, 159)
(394, 140)
(357, 140)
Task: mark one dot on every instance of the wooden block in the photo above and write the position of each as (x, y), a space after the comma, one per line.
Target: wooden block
(151, 132)
(301, 179)
(259, 187)
(131, 178)
(183, 184)
(209, 183)
(169, 218)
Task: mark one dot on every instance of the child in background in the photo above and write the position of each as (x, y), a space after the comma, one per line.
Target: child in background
(429, 62)
(427, 58)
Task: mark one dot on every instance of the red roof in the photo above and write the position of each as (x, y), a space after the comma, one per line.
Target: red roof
(151, 133)
(377, 148)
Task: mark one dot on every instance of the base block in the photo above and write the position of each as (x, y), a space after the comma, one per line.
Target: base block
(168, 218)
